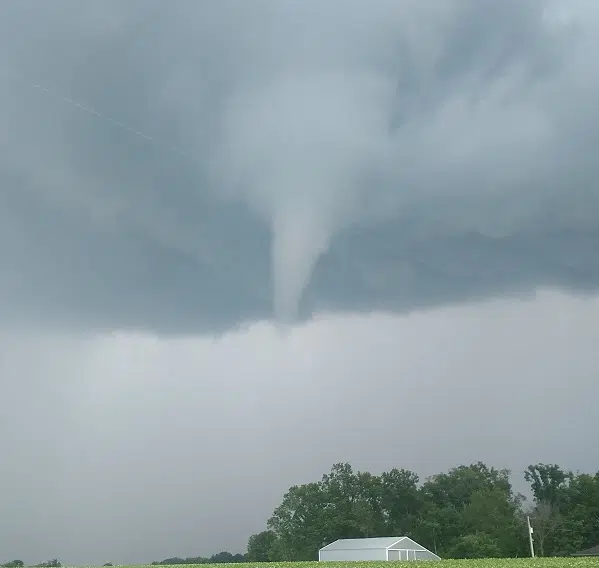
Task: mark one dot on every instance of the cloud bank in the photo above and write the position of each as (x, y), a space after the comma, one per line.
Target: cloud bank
(340, 157)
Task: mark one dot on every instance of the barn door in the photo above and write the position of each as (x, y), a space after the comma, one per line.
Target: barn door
(394, 555)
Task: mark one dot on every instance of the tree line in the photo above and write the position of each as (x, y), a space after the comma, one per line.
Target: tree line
(223, 557)
(470, 511)
(19, 564)
(219, 558)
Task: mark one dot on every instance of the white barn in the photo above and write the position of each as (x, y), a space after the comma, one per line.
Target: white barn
(380, 548)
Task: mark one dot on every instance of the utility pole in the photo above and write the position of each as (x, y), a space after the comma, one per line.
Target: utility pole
(532, 548)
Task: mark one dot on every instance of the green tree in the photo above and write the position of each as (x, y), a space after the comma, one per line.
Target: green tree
(456, 487)
(223, 557)
(476, 545)
(281, 551)
(344, 504)
(14, 564)
(495, 513)
(298, 523)
(259, 546)
(579, 514)
(547, 482)
(352, 504)
(226, 557)
(401, 501)
(549, 485)
(582, 507)
(453, 503)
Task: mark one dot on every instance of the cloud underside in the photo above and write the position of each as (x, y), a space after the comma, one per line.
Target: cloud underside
(419, 159)
(131, 282)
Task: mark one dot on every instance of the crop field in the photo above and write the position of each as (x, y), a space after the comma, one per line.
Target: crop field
(478, 563)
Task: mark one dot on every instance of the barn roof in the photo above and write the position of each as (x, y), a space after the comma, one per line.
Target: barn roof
(363, 543)
(594, 551)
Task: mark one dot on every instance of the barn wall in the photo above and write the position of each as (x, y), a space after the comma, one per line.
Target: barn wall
(425, 555)
(353, 554)
(410, 544)
(411, 554)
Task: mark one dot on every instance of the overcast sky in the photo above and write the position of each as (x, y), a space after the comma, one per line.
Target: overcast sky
(411, 188)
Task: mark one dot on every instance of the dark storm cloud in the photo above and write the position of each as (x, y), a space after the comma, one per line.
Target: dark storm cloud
(439, 155)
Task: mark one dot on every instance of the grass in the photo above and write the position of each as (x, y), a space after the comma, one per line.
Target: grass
(564, 562)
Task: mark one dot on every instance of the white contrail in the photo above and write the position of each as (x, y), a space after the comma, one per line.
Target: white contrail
(96, 113)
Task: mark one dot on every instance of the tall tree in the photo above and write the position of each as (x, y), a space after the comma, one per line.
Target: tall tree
(549, 484)
(582, 506)
(344, 504)
(496, 513)
(352, 504)
(456, 487)
(401, 501)
(476, 545)
(579, 514)
(298, 523)
(453, 503)
(260, 545)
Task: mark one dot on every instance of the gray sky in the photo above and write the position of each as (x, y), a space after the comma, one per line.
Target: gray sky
(415, 188)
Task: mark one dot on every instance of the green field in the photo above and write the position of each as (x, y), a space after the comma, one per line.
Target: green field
(478, 563)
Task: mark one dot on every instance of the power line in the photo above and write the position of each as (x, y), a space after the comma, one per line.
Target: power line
(94, 112)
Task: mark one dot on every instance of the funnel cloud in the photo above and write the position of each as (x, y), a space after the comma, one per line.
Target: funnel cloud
(298, 151)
